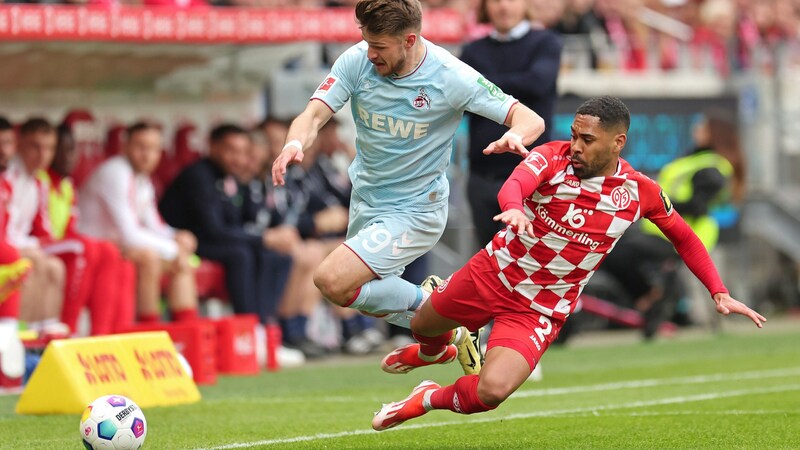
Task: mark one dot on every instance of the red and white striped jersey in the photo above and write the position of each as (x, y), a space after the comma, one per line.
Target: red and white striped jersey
(576, 222)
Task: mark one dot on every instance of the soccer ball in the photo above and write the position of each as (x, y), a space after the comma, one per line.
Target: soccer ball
(113, 422)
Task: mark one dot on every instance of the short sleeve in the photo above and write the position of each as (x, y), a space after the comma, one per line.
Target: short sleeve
(336, 89)
(479, 95)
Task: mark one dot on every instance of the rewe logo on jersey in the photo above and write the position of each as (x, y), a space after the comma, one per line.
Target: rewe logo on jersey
(391, 125)
(576, 217)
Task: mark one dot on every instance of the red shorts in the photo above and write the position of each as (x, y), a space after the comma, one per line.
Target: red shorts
(474, 295)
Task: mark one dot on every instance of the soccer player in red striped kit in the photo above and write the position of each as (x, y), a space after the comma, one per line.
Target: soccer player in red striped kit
(565, 206)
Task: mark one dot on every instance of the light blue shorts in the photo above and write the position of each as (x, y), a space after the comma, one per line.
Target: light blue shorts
(387, 240)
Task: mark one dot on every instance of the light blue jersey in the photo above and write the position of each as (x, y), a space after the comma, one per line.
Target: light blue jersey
(405, 125)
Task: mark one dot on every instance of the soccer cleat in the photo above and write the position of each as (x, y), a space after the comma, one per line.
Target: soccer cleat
(414, 405)
(430, 283)
(470, 355)
(406, 358)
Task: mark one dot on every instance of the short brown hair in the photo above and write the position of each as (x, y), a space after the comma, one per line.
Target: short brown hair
(483, 14)
(142, 125)
(389, 17)
(36, 125)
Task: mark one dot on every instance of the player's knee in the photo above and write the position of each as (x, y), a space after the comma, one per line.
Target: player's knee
(148, 261)
(493, 390)
(420, 327)
(329, 286)
(55, 269)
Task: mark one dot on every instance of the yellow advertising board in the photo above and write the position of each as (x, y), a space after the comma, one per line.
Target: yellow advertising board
(73, 372)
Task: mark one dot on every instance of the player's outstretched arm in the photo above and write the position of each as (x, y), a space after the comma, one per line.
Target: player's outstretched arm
(525, 126)
(727, 305)
(302, 133)
(697, 259)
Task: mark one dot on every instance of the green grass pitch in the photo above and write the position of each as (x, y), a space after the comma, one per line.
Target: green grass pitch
(728, 391)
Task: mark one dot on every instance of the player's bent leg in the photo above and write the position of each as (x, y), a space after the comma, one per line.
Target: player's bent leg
(504, 372)
(340, 276)
(435, 346)
(430, 324)
(403, 318)
(460, 397)
(345, 279)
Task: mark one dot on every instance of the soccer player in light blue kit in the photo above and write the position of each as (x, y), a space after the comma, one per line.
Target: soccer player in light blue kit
(407, 97)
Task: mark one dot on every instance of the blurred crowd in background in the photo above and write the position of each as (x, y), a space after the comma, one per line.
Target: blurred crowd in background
(723, 36)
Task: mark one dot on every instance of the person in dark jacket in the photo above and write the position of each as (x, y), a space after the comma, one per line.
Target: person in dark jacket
(522, 58)
(208, 198)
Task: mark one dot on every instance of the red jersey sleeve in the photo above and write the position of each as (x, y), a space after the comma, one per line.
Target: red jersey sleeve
(525, 178)
(658, 208)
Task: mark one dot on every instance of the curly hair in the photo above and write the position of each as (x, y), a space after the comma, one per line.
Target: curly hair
(610, 110)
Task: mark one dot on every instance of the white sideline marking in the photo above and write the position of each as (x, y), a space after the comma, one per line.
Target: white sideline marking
(732, 412)
(557, 412)
(632, 384)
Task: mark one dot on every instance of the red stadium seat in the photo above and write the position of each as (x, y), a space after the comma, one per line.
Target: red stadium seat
(210, 279)
(185, 153)
(115, 138)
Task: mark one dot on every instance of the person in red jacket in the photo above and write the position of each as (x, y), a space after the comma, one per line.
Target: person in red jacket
(41, 297)
(565, 206)
(13, 271)
(96, 275)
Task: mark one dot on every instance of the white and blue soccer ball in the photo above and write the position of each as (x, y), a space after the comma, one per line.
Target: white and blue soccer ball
(113, 422)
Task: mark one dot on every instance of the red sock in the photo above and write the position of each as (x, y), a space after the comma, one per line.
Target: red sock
(126, 296)
(461, 397)
(185, 315)
(150, 318)
(433, 346)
